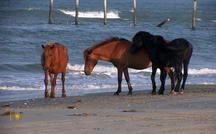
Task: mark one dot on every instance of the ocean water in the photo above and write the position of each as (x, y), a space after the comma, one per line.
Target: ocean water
(24, 28)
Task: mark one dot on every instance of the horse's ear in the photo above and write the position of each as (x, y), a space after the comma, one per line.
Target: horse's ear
(146, 37)
(43, 46)
(89, 51)
(138, 40)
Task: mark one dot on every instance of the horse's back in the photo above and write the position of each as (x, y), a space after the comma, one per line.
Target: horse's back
(179, 50)
(179, 44)
(61, 57)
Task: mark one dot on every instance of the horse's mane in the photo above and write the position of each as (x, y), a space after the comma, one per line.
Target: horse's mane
(103, 42)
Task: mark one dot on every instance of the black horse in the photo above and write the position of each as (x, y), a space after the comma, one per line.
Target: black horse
(165, 56)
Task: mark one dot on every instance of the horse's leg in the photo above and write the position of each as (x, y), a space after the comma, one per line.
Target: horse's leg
(172, 78)
(154, 69)
(127, 78)
(162, 79)
(63, 87)
(119, 81)
(179, 78)
(51, 83)
(46, 93)
(184, 77)
(53, 86)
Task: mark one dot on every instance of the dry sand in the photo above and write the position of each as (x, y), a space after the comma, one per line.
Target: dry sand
(191, 113)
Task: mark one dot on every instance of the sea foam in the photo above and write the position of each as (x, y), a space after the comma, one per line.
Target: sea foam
(112, 69)
(92, 14)
(17, 88)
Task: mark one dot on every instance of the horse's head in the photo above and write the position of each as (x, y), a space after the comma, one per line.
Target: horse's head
(48, 55)
(139, 40)
(90, 61)
(159, 40)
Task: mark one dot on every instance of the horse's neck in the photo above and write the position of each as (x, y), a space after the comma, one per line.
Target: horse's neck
(152, 52)
(101, 55)
(107, 52)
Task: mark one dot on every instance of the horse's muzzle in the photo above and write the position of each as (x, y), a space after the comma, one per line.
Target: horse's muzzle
(87, 72)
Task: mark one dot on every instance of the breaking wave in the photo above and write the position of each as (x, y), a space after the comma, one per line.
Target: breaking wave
(92, 14)
(112, 69)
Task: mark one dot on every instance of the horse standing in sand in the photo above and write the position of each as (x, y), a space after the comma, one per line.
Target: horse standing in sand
(165, 55)
(54, 61)
(116, 51)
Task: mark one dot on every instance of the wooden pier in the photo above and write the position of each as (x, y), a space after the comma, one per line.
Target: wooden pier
(77, 7)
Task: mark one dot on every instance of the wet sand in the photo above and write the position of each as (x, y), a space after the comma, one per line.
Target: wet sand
(191, 113)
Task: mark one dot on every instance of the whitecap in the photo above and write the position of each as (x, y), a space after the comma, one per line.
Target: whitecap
(202, 71)
(110, 70)
(18, 88)
(31, 9)
(103, 69)
(92, 14)
(198, 19)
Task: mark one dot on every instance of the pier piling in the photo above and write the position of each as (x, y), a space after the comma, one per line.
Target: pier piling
(194, 15)
(50, 21)
(105, 12)
(77, 12)
(134, 13)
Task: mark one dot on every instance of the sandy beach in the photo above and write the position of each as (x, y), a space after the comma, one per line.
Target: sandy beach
(191, 113)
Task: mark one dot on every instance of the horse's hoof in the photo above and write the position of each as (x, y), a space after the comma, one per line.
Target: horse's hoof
(153, 93)
(64, 95)
(129, 93)
(160, 93)
(52, 96)
(181, 92)
(173, 92)
(116, 93)
(176, 90)
(46, 95)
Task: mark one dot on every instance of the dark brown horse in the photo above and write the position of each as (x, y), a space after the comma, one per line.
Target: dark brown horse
(54, 60)
(165, 55)
(116, 51)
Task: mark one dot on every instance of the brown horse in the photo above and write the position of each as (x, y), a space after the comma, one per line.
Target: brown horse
(54, 60)
(116, 51)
